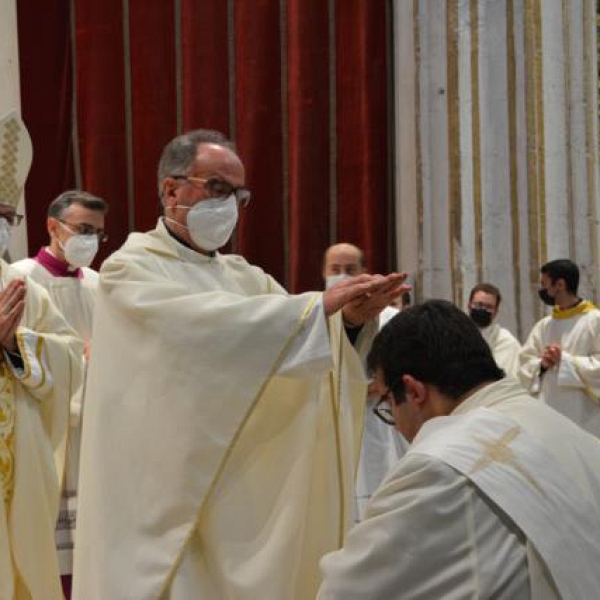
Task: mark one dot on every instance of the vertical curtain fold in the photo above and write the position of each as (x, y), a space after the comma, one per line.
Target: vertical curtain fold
(153, 100)
(46, 92)
(361, 75)
(308, 149)
(101, 109)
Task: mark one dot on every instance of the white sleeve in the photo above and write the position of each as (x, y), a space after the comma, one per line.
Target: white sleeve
(34, 373)
(310, 352)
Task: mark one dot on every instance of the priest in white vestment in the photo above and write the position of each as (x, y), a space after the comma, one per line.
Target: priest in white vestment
(484, 304)
(223, 416)
(75, 227)
(40, 369)
(560, 361)
(381, 445)
(486, 503)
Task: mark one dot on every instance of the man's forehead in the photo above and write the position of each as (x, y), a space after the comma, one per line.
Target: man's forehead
(343, 256)
(214, 160)
(486, 298)
(78, 210)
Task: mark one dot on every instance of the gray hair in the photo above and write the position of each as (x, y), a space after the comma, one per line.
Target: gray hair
(179, 154)
(62, 202)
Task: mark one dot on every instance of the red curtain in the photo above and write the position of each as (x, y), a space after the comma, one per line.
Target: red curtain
(300, 85)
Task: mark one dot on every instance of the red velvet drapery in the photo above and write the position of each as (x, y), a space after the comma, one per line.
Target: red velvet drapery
(301, 85)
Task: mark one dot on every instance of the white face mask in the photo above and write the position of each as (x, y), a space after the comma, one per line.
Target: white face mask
(333, 279)
(80, 250)
(5, 232)
(211, 222)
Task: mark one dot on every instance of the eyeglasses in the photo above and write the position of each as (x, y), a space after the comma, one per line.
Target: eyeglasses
(383, 409)
(84, 229)
(13, 219)
(218, 188)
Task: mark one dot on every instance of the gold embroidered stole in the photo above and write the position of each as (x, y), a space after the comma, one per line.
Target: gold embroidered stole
(7, 431)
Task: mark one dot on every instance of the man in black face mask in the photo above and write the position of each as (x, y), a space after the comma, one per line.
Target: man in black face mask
(560, 361)
(484, 302)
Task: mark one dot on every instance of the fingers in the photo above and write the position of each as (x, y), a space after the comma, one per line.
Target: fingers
(12, 295)
(9, 324)
(374, 290)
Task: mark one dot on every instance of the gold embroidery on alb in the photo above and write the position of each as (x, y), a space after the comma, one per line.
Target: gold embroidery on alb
(7, 430)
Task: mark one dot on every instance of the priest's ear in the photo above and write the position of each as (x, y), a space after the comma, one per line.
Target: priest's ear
(169, 192)
(415, 391)
(52, 225)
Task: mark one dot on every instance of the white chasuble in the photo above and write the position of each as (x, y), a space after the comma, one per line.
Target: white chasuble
(38, 394)
(382, 446)
(485, 504)
(213, 466)
(573, 386)
(74, 297)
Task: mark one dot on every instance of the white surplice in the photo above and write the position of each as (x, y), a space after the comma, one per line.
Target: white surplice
(382, 446)
(485, 504)
(220, 435)
(572, 387)
(74, 297)
(505, 348)
(34, 417)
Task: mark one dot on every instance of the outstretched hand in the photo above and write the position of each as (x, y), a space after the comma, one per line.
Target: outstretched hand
(12, 307)
(364, 297)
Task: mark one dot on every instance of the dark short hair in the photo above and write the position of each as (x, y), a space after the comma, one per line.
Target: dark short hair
(487, 288)
(60, 204)
(179, 154)
(565, 269)
(437, 344)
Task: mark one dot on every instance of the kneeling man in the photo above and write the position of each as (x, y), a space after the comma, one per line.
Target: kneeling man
(485, 504)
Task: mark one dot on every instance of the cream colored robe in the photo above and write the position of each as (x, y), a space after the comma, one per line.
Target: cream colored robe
(74, 297)
(572, 388)
(382, 446)
(35, 404)
(485, 504)
(505, 348)
(204, 474)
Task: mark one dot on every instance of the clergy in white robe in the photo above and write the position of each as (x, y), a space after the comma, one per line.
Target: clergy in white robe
(40, 369)
(505, 348)
(381, 445)
(485, 504)
(484, 305)
(223, 416)
(75, 227)
(560, 361)
(34, 416)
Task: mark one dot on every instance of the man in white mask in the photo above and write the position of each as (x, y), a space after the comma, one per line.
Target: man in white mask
(40, 371)
(381, 444)
(223, 415)
(75, 225)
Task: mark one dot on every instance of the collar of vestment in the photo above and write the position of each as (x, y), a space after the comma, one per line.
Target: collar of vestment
(580, 308)
(55, 266)
(161, 241)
